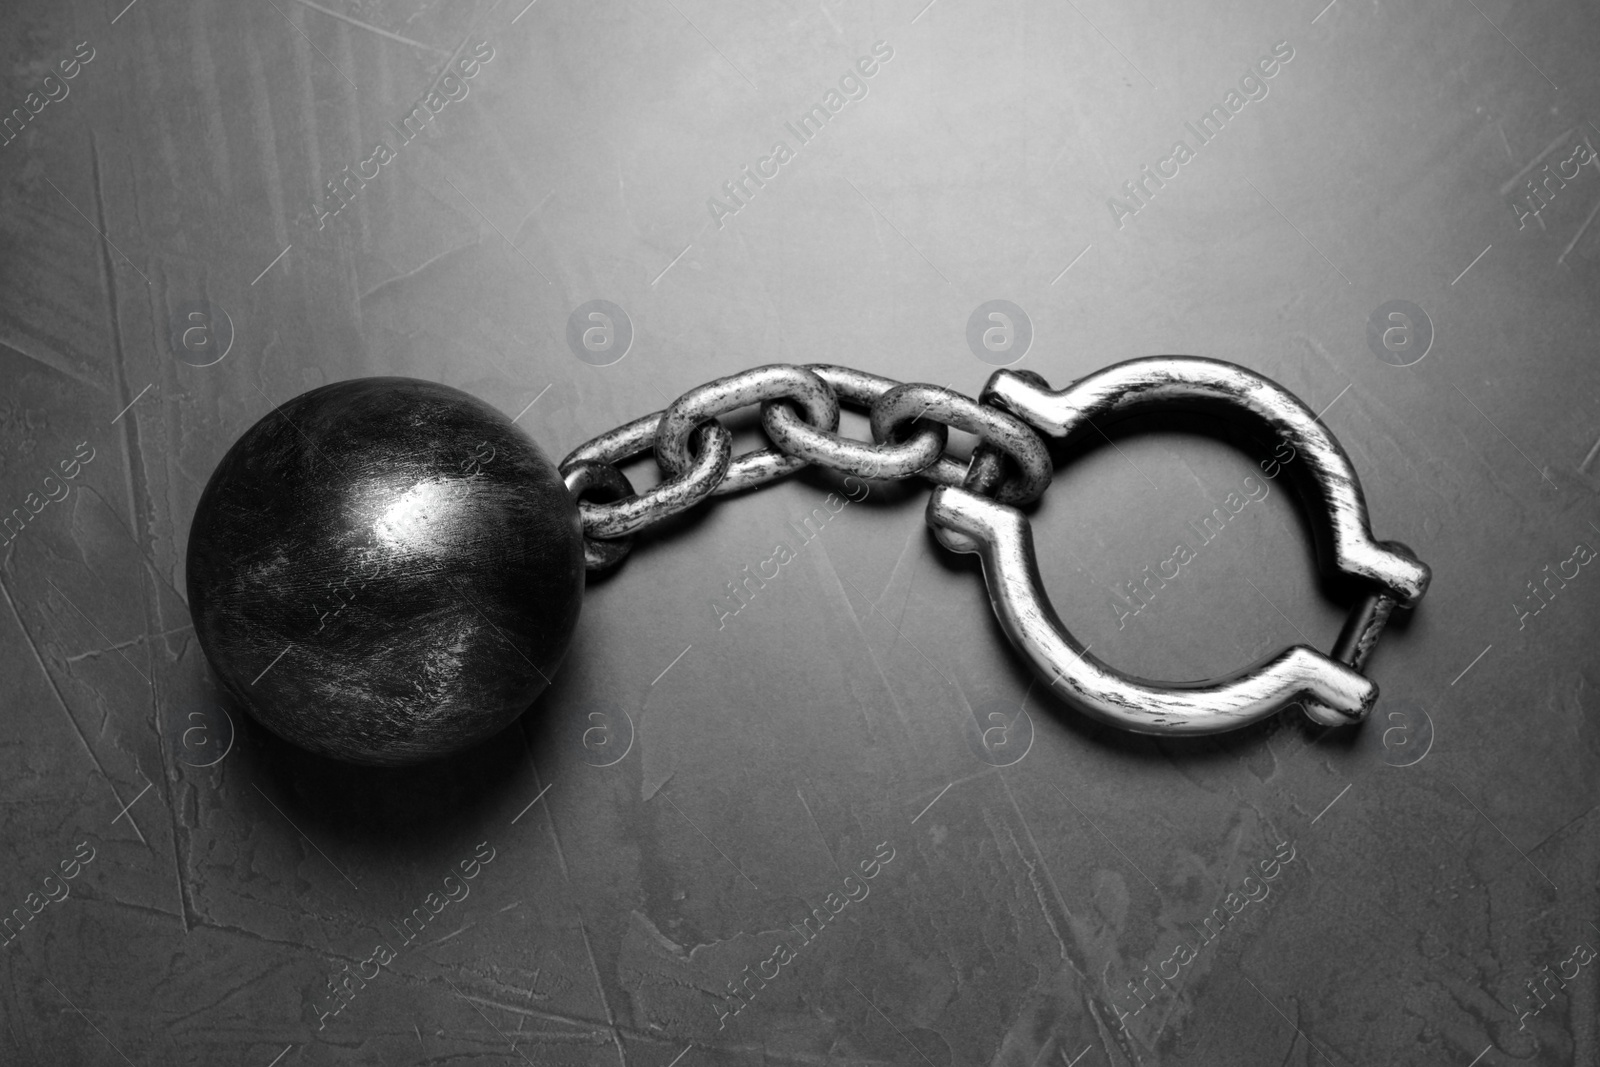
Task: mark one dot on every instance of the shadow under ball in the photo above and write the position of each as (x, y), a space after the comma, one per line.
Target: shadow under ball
(385, 570)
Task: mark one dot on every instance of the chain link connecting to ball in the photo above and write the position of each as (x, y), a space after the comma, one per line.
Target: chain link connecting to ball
(976, 507)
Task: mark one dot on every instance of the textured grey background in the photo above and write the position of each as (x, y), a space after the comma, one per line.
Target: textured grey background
(766, 759)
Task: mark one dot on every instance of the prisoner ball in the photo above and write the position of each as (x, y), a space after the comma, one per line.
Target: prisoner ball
(385, 570)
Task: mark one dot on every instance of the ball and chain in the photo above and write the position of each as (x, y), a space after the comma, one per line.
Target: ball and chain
(386, 570)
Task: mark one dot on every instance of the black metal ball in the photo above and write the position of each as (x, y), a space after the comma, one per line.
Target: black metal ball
(385, 570)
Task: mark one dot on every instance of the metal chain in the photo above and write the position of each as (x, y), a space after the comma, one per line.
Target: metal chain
(889, 460)
(904, 403)
(758, 384)
(800, 416)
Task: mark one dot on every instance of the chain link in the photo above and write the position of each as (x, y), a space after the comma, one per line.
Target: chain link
(800, 416)
(674, 495)
(719, 397)
(610, 485)
(888, 460)
(903, 404)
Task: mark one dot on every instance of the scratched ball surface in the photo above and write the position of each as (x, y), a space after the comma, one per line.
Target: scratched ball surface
(385, 570)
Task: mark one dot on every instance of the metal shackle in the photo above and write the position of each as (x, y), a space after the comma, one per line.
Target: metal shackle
(1332, 689)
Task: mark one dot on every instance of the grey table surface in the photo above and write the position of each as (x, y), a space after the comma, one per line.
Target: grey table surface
(695, 783)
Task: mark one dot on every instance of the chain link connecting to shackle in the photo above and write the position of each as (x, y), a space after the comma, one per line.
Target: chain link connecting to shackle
(975, 508)
(800, 416)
